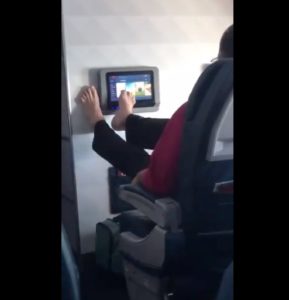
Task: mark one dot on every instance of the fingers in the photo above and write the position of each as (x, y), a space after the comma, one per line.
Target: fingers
(137, 179)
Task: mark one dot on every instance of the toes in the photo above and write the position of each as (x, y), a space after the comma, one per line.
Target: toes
(95, 95)
(94, 92)
(90, 94)
(86, 95)
(84, 99)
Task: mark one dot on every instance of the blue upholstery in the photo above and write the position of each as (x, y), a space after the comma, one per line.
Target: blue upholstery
(69, 271)
(227, 285)
(207, 216)
(203, 247)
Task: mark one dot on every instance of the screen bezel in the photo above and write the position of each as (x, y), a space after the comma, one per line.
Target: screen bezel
(113, 105)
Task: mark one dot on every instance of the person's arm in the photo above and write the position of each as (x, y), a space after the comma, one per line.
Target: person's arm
(144, 132)
(160, 178)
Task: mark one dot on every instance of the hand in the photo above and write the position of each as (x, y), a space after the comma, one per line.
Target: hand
(137, 179)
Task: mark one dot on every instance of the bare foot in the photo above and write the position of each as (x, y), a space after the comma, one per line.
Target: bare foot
(126, 104)
(90, 103)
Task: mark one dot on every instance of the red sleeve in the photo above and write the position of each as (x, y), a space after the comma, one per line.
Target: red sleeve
(160, 177)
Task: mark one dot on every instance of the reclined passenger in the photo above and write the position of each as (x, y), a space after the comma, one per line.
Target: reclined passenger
(157, 173)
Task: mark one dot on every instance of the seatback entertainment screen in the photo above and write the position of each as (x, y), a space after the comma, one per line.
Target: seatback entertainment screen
(139, 83)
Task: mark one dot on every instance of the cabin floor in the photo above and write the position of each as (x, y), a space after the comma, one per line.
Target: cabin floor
(97, 284)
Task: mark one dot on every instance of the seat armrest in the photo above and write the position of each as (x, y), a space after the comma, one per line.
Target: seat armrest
(148, 251)
(165, 212)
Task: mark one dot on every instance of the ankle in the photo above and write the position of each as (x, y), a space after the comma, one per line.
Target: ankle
(95, 119)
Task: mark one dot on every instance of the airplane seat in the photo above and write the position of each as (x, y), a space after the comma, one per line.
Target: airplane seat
(107, 252)
(135, 221)
(70, 289)
(226, 290)
(192, 237)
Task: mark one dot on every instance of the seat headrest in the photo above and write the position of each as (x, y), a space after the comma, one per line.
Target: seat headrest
(222, 137)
